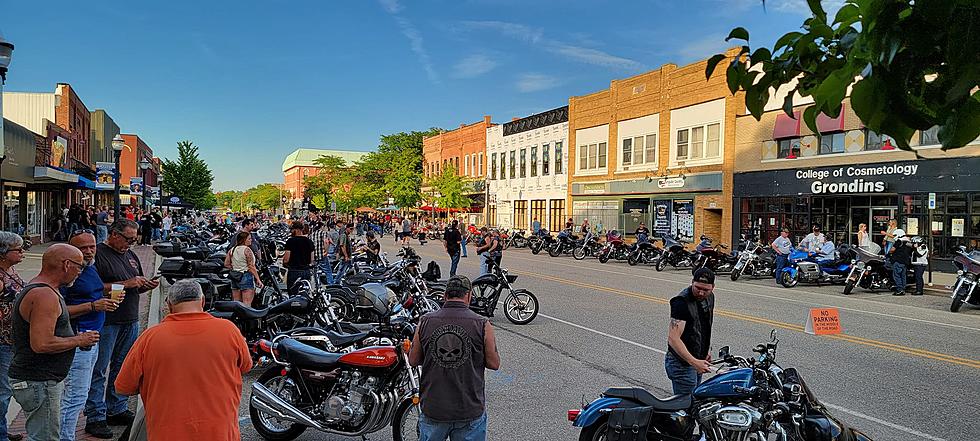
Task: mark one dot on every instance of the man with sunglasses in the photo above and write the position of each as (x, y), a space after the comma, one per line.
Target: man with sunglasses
(689, 336)
(116, 263)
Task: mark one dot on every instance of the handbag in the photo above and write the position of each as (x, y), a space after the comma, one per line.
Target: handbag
(629, 424)
(236, 276)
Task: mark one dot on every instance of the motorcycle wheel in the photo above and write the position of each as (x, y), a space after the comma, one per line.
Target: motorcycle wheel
(958, 298)
(554, 250)
(634, 258)
(595, 432)
(405, 424)
(520, 307)
(788, 280)
(536, 248)
(520, 243)
(736, 274)
(603, 256)
(505, 244)
(848, 287)
(260, 421)
(662, 263)
(579, 253)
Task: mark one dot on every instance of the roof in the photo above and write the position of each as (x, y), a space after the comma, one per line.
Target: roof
(305, 157)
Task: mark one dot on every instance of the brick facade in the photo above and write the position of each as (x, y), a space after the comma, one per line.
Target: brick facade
(72, 115)
(455, 146)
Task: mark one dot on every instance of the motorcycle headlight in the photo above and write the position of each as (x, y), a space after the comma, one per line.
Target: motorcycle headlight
(959, 272)
(853, 261)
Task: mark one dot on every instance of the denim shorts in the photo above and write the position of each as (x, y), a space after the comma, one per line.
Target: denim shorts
(247, 282)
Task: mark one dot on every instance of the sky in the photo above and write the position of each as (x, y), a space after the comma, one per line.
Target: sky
(249, 82)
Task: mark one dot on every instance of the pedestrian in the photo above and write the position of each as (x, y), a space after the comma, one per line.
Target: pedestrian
(814, 241)
(167, 224)
(101, 225)
(344, 249)
(689, 336)
(901, 257)
(585, 227)
(488, 244)
(372, 248)
(44, 342)
(116, 263)
(146, 228)
(298, 256)
(157, 225)
(863, 238)
(87, 305)
(11, 253)
(188, 370)
(321, 247)
(455, 347)
(920, 260)
(890, 235)
(782, 247)
(535, 226)
(332, 238)
(243, 274)
(451, 239)
(462, 239)
(406, 231)
(569, 224)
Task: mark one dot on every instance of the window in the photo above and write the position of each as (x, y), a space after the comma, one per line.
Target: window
(513, 164)
(697, 142)
(538, 210)
(874, 141)
(628, 151)
(493, 166)
(556, 213)
(544, 160)
(503, 165)
(466, 165)
(592, 156)
(523, 163)
(832, 143)
(639, 150)
(457, 165)
(701, 142)
(929, 137)
(558, 161)
(534, 161)
(789, 148)
(520, 214)
(479, 169)
(682, 144)
(712, 147)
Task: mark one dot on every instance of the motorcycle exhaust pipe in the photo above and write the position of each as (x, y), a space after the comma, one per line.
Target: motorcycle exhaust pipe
(267, 401)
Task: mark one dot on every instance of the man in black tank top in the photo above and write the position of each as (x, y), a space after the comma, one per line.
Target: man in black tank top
(44, 342)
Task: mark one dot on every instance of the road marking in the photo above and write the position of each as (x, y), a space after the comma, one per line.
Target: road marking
(639, 345)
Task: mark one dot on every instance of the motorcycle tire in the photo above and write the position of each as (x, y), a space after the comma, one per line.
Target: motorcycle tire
(536, 248)
(736, 274)
(402, 421)
(290, 433)
(520, 243)
(595, 432)
(554, 250)
(530, 306)
(604, 257)
(787, 280)
(633, 259)
(662, 263)
(579, 253)
(848, 287)
(958, 298)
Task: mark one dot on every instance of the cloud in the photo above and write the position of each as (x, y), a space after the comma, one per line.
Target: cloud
(473, 66)
(800, 7)
(414, 37)
(535, 37)
(534, 82)
(703, 47)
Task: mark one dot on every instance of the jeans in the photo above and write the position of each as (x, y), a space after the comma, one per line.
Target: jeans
(6, 356)
(780, 263)
(41, 401)
(683, 377)
(156, 234)
(888, 246)
(293, 275)
(485, 263)
(76, 390)
(475, 430)
(165, 234)
(101, 233)
(454, 258)
(326, 266)
(462, 245)
(919, 280)
(899, 273)
(115, 340)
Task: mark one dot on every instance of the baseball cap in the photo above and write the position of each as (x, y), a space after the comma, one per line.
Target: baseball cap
(704, 275)
(457, 287)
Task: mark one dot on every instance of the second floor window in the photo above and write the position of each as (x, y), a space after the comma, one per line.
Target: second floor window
(639, 150)
(493, 166)
(523, 163)
(592, 156)
(534, 161)
(544, 159)
(503, 165)
(558, 159)
(699, 142)
(513, 164)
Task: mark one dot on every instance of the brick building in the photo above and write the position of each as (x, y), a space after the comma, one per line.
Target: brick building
(301, 163)
(656, 148)
(136, 150)
(465, 148)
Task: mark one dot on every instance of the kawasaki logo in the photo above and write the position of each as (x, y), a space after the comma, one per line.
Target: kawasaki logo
(375, 357)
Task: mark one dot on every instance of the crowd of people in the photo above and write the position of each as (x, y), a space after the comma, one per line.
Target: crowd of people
(153, 224)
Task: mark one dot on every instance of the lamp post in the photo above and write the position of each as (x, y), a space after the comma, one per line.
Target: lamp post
(117, 147)
(144, 166)
(6, 50)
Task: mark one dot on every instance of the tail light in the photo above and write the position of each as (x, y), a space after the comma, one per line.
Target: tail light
(407, 304)
(264, 345)
(573, 414)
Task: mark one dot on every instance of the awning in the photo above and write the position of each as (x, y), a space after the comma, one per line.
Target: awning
(44, 174)
(84, 182)
(174, 201)
(827, 124)
(786, 127)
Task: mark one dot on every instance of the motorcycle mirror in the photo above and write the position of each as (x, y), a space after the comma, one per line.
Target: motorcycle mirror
(723, 352)
(772, 335)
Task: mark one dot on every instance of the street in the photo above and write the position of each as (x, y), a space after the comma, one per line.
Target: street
(903, 369)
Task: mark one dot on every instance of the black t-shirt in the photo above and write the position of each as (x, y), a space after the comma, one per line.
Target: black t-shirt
(300, 252)
(374, 246)
(698, 347)
(115, 267)
(902, 253)
(452, 238)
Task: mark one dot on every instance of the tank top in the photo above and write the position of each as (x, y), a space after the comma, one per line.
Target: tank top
(30, 365)
(453, 364)
(239, 262)
(865, 241)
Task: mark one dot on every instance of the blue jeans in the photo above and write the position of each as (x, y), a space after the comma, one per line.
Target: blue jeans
(462, 245)
(77, 385)
(899, 273)
(454, 258)
(157, 234)
(6, 356)
(101, 233)
(41, 401)
(888, 246)
(475, 430)
(919, 280)
(327, 268)
(484, 263)
(683, 377)
(115, 340)
(342, 270)
(780, 263)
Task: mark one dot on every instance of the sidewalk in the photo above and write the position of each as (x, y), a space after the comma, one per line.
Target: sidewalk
(28, 269)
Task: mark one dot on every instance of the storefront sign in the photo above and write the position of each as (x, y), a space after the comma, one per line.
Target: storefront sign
(135, 185)
(593, 188)
(858, 185)
(670, 182)
(932, 201)
(661, 217)
(105, 175)
(956, 229)
(59, 152)
(682, 226)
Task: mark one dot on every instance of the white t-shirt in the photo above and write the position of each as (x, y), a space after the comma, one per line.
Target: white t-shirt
(167, 223)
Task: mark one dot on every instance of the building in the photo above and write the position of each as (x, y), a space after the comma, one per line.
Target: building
(136, 151)
(527, 177)
(25, 211)
(655, 149)
(301, 164)
(104, 129)
(786, 177)
(465, 149)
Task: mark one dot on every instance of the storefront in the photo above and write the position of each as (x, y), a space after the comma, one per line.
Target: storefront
(938, 199)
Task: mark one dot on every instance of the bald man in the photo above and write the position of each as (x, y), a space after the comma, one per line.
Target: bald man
(44, 342)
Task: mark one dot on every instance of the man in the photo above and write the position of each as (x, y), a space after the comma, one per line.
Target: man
(901, 256)
(535, 226)
(920, 260)
(167, 223)
(462, 240)
(157, 224)
(44, 342)
(146, 228)
(116, 263)
(372, 247)
(454, 346)
(321, 244)
(813, 242)
(333, 238)
(86, 307)
(298, 256)
(188, 370)
(451, 239)
(484, 249)
(102, 225)
(782, 247)
(406, 231)
(250, 225)
(344, 248)
(689, 336)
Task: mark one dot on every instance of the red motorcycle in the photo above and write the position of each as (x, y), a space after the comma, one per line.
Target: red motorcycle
(615, 248)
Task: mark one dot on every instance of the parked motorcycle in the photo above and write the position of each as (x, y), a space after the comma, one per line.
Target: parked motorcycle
(869, 271)
(716, 258)
(643, 251)
(674, 254)
(754, 261)
(517, 239)
(754, 399)
(589, 247)
(615, 248)
(520, 305)
(967, 276)
(564, 244)
(817, 267)
(542, 241)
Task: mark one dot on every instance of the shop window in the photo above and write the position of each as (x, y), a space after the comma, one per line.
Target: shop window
(874, 141)
(556, 214)
(520, 214)
(558, 159)
(930, 136)
(789, 148)
(538, 210)
(956, 203)
(544, 159)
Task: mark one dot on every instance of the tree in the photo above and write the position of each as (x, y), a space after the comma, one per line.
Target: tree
(230, 200)
(189, 177)
(912, 65)
(328, 178)
(449, 186)
(264, 197)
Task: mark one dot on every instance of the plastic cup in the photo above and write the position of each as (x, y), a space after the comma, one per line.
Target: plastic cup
(117, 292)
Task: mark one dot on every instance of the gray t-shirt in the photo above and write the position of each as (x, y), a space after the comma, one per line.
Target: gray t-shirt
(115, 267)
(406, 226)
(334, 236)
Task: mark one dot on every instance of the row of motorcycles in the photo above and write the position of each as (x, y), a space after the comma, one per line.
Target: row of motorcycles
(336, 355)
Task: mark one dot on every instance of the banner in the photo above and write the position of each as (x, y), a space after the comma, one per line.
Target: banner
(105, 175)
(683, 220)
(153, 193)
(135, 186)
(661, 218)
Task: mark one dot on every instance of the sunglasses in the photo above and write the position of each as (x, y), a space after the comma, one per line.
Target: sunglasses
(129, 240)
(82, 231)
(81, 265)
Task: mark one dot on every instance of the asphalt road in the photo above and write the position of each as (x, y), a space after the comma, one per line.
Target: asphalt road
(904, 369)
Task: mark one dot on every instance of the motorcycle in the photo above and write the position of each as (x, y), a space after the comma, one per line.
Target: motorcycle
(564, 244)
(967, 275)
(674, 254)
(754, 399)
(714, 258)
(754, 261)
(615, 248)
(643, 251)
(589, 247)
(517, 239)
(520, 305)
(817, 268)
(869, 271)
(543, 241)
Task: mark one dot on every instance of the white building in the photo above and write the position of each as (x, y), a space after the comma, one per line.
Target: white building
(527, 171)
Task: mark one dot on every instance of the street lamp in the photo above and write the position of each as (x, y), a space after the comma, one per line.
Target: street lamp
(144, 166)
(6, 50)
(118, 144)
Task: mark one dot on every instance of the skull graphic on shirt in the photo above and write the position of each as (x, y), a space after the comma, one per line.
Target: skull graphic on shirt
(450, 346)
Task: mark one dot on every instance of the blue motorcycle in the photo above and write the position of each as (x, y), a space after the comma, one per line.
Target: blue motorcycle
(753, 399)
(809, 267)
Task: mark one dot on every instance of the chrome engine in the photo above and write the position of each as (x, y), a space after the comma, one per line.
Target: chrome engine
(351, 398)
(731, 423)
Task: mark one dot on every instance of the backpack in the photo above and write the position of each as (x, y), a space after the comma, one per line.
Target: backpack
(432, 272)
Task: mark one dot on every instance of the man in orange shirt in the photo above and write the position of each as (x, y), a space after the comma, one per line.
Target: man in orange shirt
(188, 369)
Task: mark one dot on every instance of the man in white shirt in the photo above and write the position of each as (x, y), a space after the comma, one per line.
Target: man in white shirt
(168, 223)
(814, 241)
(782, 246)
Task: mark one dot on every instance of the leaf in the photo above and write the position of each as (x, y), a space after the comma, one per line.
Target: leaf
(761, 54)
(847, 13)
(810, 118)
(787, 40)
(788, 104)
(712, 63)
(739, 33)
(963, 124)
(817, 9)
(733, 77)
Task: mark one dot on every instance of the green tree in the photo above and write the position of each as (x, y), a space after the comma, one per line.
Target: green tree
(230, 200)
(913, 64)
(264, 197)
(329, 177)
(189, 177)
(449, 186)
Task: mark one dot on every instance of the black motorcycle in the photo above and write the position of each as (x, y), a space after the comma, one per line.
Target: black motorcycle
(517, 239)
(674, 254)
(542, 241)
(968, 275)
(644, 252)
(869, 271)
(754, 261)
(520, 305)
(716, 258)
(565, 243)
(589, 247)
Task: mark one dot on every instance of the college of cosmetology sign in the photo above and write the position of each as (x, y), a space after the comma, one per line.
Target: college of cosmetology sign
(839, 180)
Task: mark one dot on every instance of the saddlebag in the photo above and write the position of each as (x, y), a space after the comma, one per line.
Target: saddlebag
(432, 272)
(176, 268)
(629, 424)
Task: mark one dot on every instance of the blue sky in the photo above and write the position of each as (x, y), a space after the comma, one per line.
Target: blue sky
(250, 81)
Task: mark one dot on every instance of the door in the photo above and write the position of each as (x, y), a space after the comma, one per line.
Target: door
(712, 225)
(879, 222)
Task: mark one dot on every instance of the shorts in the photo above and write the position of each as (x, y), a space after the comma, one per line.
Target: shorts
(247, 282)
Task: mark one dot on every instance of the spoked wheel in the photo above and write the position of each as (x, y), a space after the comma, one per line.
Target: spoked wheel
(662, 263)
(959, 297)
(269, 426)
(520, 307)
(604, 256)
(736, 274)
(520, 243)
(405, 424)
(536, 247)
(634, 258)
(554, 250)
(579, 253)
(342, 309)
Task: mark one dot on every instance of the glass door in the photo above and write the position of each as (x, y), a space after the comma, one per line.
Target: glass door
(879, 222)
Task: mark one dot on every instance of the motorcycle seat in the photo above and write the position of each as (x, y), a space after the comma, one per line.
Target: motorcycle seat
(240, 310)
(305, 355)
(640, 395)
(343, 340)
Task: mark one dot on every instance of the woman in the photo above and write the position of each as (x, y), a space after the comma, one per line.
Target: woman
(11, 253)
(864, 239)
(244, 276)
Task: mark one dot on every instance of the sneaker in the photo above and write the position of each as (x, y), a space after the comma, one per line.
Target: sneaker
(98, 429)
(898, 293)
(15, 436)
(123, 419)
